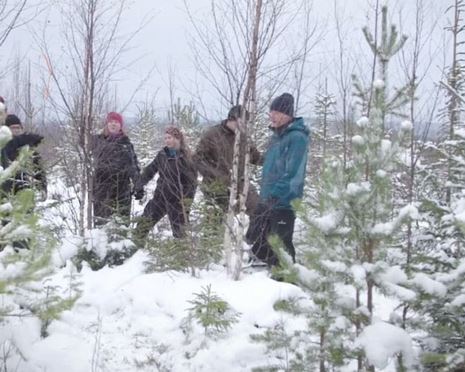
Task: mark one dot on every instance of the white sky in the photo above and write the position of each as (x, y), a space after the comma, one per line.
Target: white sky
(164, 42)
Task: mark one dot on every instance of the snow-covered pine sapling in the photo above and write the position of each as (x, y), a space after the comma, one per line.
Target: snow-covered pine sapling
(285, 348)
(211, 312)
(350, 235)
(327, 254)
(383, 51)
(25, 252)
(325, 103)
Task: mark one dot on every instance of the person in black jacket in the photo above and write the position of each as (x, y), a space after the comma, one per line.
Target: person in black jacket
(176, 185)
(24, 178)
(115, 167)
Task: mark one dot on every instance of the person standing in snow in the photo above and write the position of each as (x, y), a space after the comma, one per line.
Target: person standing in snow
(176, 185)
(115, 168)
(33, 176)
(283, 178)
(214, 158)
(28, 177)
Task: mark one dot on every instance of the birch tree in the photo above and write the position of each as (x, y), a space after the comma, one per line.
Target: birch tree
(245, 33)
(93, 51)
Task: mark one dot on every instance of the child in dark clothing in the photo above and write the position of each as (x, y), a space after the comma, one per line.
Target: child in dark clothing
(176, 185)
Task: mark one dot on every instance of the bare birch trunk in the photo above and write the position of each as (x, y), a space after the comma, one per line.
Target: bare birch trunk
(234, 235)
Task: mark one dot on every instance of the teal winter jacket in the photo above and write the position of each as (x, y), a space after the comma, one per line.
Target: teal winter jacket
(284, 165)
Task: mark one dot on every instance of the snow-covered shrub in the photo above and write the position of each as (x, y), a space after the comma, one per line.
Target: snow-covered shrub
(108, 245)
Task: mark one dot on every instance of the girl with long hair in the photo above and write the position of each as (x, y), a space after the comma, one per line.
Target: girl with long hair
(176, 185)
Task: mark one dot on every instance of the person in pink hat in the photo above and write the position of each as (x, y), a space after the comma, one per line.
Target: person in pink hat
(115, 171)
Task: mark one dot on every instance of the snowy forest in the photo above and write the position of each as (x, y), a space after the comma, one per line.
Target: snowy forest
(378, 282)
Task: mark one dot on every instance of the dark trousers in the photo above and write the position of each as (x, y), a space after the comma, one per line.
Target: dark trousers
(220, 196)
(265, 223)
(155, 210)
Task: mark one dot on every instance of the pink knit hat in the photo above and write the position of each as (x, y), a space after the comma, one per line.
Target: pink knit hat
(116, 117)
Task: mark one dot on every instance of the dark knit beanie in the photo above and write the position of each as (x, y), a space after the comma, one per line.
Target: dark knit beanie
(236, 113)
(12, 120)
(283, 103)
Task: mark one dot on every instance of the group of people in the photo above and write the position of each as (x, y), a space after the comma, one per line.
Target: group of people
(117, 176)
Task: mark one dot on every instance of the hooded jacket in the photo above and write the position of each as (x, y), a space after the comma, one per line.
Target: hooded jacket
(177, 176)
(285, 163)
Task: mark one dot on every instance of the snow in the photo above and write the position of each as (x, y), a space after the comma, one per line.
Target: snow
(386, 147)
(453, 275)
(460, 132)
(428, 285)
(68, 249)
(358, 140)
(97, 241)
(5, 134)
(341, 323)
(359, 275)
(11, 270)
(305, 275)
(378, 84)
(458, 301)
(387, 228)
(327, 223)
(363, 122)
(334, 266)
(406, 126)
(383, 228)
(383, 341)
(394, 274)
(380, 173)
(127, 318)
(353, 189)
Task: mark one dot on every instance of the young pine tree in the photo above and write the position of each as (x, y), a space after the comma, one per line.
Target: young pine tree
(25, 254)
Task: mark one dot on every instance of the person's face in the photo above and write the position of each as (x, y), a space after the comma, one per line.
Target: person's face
(16, 129)
(172, 142)
(235, 124)
(278, 119)
(114, 127)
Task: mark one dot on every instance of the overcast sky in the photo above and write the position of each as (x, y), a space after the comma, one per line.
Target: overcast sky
(164, 42)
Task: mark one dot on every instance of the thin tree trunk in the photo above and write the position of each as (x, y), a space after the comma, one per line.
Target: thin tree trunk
(322, 351)
(453, 104)
(234, 251)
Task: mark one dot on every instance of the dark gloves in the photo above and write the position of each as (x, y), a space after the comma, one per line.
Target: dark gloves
(139, 194)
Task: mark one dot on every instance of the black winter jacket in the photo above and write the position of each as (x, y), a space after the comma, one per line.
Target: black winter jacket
(24, 178)
(114, 158)
(177, 178)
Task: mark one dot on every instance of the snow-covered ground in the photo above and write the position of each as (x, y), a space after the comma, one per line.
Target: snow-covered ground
(126, 320)
(129, 320)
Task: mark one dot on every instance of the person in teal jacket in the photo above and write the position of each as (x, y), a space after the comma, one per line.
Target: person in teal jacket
(283, 179)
